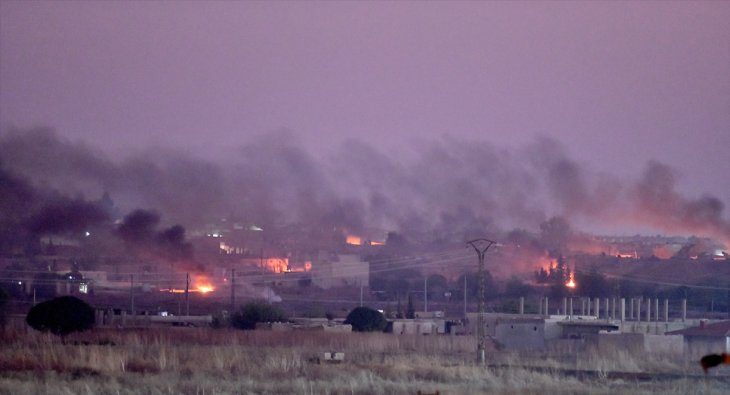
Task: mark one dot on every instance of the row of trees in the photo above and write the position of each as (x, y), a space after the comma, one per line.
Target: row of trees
(64, 315)
(67, 314)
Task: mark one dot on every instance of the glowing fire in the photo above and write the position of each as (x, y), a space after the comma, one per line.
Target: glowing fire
(547, 263)
(353, 240)
(307, 268)
(571, 281)
(203, 285)
(276, 265)
(199, 283)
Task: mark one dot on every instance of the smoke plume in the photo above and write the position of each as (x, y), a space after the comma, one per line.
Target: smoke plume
(441, 190)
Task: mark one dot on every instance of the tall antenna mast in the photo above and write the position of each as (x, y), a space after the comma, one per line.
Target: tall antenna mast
(481, 246)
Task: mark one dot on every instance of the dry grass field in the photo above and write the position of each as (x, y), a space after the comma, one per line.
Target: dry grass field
(207, 361)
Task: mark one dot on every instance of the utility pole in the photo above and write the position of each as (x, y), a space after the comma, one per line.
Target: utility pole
(187, 293)
(481, 246)
(360, 293)
(131, 294)
(425, 294)
(464, 295)
(233, 290)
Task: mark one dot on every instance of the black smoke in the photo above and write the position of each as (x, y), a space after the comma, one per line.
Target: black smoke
(63, 215)
(139, 231)
(442, 190)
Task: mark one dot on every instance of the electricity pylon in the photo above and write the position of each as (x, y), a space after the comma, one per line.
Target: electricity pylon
(481, 246)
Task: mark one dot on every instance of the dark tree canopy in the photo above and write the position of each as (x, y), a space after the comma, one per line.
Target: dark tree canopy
(254, 312)
(3, 307)
(410, 310)
(365, 319)
(515, 287)
(61, 316)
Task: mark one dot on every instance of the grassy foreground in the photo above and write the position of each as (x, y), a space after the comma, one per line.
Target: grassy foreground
(207, 361)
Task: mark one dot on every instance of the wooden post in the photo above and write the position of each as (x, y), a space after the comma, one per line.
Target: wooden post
(522, 305)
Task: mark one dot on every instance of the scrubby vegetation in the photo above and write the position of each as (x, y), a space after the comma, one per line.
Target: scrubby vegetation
(254, 312)
(365, 319)
(207, 361)
(61, 316)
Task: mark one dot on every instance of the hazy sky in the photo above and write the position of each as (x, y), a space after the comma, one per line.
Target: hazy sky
(617, 82)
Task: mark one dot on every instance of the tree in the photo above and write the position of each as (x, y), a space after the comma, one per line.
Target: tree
(365, 319)
(516, 287)
(555, 234)
(61, 316)
(410, 310)
(437, 286)
(593, 284)
(3, 308)
(255, 312)
(472, 285)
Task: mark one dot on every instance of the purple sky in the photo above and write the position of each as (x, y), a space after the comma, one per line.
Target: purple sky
(617, 82)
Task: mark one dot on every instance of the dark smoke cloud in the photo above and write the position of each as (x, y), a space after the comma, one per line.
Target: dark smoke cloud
(574, 190)
(139, 227)
(140, 234)
(16, 195)
(439, 190)
(28, 212)
(62, 215)
(659, 204)
(17, 198)
(52, 162)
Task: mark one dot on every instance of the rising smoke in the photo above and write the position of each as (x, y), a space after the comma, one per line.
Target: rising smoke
(447, 189)
(139, 232)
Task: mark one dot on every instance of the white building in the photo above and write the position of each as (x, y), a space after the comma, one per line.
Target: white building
(340, 271)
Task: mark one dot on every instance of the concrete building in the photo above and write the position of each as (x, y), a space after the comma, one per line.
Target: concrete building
(539, 333)
(520, 334)
(588, 329)
(641, 343)
(706, 338)
(417, 327)
(340, 271)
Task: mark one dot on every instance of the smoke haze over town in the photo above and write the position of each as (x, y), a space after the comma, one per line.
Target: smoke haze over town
(511, 196)
(435, 123)
(447, 188)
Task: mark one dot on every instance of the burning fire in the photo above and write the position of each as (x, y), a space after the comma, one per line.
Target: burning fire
(307, 268)
(353, 240)
(571, 281)
(547, 263)
(276, 265)
(199, 283)
(202, 284)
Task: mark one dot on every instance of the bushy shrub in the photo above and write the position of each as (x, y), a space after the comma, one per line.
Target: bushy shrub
(220, 320)
(61, 316)
(365, 319)
(254, 312)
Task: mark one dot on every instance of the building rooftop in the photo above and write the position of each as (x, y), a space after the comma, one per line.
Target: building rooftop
(717, 329)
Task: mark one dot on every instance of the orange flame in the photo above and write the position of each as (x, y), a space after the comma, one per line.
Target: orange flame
(571, 281)
(199, 284)
(306, 268)
(276, 265)
(353, 240)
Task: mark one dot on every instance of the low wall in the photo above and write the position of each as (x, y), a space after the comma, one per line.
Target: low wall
(641, 343)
